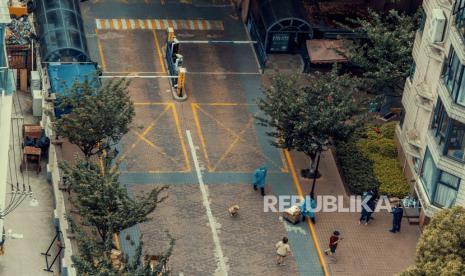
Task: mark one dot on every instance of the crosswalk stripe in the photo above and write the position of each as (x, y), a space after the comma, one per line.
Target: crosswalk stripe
(158, 24)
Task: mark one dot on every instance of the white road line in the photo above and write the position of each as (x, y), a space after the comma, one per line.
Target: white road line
(107, 23)
(223, 73)
(149, 23)
(115, 24)
(141, 24)
(125, 26)
(223, 270)
(218, 41)
(133, 23)
(137, 76)
(97, 23)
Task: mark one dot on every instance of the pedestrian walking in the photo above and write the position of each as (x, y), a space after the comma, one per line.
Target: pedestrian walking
(308, 211)
(367, 211)
(282, 250)
(397, 214)
(333, 242)
(259, 179)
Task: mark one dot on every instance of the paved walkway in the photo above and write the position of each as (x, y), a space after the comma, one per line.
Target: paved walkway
(365, 250)
(32, 222)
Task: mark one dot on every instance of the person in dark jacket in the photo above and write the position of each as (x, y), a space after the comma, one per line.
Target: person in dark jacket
(397, 214)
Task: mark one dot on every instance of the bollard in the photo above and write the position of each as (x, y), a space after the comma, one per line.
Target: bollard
(170, 36)
(181, 79)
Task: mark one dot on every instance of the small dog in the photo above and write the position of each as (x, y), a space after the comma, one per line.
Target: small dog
(233, 210)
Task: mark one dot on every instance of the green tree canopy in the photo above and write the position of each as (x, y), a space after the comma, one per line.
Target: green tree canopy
(95, 258)
(441, 249)
(103, 202)
(100, 115)
(307, 115)
(385, 51)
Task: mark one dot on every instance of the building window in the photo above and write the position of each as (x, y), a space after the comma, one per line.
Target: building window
(440, 186)
(453, 78)
(459, 12)
(449, 133)
(440, 123)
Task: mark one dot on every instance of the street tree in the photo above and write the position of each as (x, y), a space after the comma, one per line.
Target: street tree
(441, 248)
(95, 258)
(101, 200)
(309, 114)
(383, 50)
(100, 114)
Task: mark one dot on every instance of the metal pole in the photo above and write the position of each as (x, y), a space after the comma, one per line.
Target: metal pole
(315, 175)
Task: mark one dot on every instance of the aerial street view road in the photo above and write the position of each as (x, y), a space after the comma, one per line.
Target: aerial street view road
(232, 137)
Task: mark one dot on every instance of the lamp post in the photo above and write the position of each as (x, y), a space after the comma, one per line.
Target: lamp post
(315, 175)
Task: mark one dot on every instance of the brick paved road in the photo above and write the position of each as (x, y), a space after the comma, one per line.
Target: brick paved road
(235, 145)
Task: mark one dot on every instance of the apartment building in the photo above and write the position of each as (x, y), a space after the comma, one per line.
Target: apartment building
(431, 133)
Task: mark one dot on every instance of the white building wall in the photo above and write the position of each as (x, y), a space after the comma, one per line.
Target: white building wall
(420, 96)
(5, 127)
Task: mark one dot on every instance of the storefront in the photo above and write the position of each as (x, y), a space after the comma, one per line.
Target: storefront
(278, 27)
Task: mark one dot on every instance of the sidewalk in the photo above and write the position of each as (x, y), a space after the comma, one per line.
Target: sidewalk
(365, 250)
(30, 223)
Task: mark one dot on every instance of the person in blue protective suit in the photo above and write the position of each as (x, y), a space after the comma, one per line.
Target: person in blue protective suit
(259, 179)
(307, 210)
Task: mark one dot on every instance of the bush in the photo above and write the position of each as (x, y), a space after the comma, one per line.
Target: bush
(369, 160)
(357, 170)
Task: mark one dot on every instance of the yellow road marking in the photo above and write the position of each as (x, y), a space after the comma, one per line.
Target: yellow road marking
(160, 56)
(151, 103)
(181, 137)
(155, 147)
(310, 225)
(144, 133)
(202, 140)
(199, 130)
(100, 51)
(233, 144)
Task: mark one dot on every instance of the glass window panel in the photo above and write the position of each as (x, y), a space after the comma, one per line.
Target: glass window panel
(441, 134)
(461, 92)
(456, 145)
(53, 17)
(444, 196)
(52, 4)
(429, 173)
(449, 179)
(69, 20)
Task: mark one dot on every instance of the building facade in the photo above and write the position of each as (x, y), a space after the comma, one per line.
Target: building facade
(431, 133)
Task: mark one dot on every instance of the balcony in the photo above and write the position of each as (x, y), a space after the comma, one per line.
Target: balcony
(428, 6)
(454, 110)
(424, 103)
(443, 162)
(446, 4)
(458, 42)
(417, 46)
(408, 95)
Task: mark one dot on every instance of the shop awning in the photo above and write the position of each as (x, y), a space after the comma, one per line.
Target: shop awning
(326, 50)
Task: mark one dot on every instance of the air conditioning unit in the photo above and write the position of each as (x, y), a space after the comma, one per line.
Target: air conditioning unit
(36, 103)
(35, 81)
(438, 25)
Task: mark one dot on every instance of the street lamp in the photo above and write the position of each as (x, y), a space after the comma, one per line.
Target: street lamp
(315, 176)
